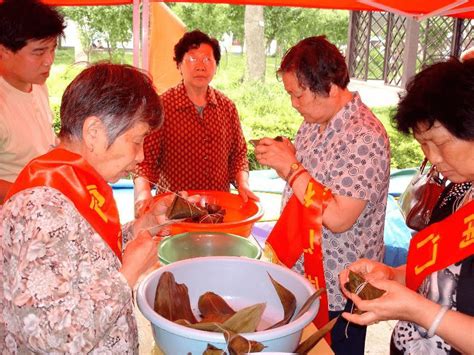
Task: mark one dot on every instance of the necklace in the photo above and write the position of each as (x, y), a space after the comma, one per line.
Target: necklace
(468, 197)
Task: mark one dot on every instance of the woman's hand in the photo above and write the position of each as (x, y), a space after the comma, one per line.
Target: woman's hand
(142, 206)
(391, 305)
(374, 270)
(154, 220)
(142, 195)
(243, 187)
(371, 270)
(277, 155)
(154, 216)
(139, 255)
(401, 303)
(398, 302)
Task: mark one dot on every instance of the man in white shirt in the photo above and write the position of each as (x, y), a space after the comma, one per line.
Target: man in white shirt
(29, 31)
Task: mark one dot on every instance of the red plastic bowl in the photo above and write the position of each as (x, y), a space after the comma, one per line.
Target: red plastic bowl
(239, 217)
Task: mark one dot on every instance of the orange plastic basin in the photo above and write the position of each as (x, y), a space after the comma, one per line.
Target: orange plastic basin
(239, 217)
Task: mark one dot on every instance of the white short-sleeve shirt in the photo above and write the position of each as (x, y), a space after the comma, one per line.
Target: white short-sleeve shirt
(25, 127)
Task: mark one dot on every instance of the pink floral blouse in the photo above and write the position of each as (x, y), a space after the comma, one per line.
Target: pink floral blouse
(60, 288)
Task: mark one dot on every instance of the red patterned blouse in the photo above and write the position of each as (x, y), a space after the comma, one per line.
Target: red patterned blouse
(193, 151)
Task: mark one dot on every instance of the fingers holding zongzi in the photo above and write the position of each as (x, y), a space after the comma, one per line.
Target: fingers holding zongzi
(396, 302)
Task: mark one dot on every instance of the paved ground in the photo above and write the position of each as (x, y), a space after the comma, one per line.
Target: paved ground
(377, 341)
(374, 93)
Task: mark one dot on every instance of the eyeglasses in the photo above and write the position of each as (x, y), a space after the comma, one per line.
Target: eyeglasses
(204, 60)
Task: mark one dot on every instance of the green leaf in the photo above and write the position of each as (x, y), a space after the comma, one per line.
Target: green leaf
(237, 344)
(181, 208)
(172, 299)
(214, 308)
(205, 326)
(212, 350)
(288, 301)
(245, 320)
(309, 302)
(314, 339)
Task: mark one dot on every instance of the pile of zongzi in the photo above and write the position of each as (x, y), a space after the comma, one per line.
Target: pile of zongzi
(358, 285)
(216, 315)
(182, 209)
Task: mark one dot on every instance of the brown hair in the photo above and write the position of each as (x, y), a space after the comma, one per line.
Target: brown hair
(120, 95)
(317, 64)
(192, 40)
(24, 20)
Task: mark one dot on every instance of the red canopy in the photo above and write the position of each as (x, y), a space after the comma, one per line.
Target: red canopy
(87, 2)
(465, 8)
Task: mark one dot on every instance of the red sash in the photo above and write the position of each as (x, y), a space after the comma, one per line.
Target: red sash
(440, 245)
(299, 231)
(77, 180)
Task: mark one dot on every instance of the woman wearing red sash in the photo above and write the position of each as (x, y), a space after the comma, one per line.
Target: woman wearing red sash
(66, 282)
(433, 294)
(337, 175)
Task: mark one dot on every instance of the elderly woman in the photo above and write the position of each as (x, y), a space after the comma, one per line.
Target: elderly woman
(454, 192)
(337, 177)
(432, 295)
(201, 145)
(66, 282)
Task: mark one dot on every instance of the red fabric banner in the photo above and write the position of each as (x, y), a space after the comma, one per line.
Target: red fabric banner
(70, 174)
(440, 245)
(299, 231)
(406, 7)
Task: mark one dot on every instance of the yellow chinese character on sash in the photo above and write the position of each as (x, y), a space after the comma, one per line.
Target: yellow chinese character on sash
(468, 234)
(308, 196)
(434, 241)
(311, 242)
(97, 201)
(314, 281)
(119, 240)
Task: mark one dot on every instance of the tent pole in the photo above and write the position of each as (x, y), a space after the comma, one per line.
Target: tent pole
(145, 34)
(459, 11)
(411, 49)
(350, 42)
(136, 33)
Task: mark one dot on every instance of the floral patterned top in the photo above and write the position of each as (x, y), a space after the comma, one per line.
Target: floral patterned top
(351, 157)
(410, 338)
(442, 287)
(61, 290)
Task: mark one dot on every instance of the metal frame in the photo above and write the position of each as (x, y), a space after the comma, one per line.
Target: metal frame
(408, 45)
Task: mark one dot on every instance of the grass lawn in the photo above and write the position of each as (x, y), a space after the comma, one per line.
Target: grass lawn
(264, 108)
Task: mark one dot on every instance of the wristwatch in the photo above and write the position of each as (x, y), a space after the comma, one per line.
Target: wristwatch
(293, 168)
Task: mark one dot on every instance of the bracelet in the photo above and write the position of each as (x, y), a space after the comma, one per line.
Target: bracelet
(437, 321)
(294, 177)
(293, 168)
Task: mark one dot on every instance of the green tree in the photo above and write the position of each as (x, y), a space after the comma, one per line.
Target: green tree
(112, 24)
(299, 23)
(209, 18)
(213, 19)
(286, 25)
(236, 17)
